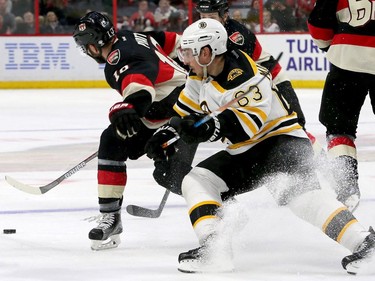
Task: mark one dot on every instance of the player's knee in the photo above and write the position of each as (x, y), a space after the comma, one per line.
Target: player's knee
(201, 184)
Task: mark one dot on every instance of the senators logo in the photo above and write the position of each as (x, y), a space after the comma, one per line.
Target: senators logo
(82, 27)
(237, 38)
(114, 57)
(234, 74)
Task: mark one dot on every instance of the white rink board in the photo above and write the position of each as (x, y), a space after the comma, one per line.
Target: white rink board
(56, 58)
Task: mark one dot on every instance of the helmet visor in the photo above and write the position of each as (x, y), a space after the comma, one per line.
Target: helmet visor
(82, 50)
(185, 55)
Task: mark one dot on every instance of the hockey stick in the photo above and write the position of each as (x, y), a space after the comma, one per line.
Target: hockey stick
(139, 211)
(45, 188)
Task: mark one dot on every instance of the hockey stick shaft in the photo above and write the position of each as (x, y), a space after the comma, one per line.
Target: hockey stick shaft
(139, 211)
(45, 188)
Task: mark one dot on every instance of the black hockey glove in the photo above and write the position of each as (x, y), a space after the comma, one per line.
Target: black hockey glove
(154, 147)
(124, 119)
(208, 131)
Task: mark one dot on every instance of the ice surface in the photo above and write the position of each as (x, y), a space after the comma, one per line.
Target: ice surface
(43, 133)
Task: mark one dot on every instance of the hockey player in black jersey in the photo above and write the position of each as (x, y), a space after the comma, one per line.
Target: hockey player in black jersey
(139, 67)
(346, 31)
(242, 38)
(266, 146)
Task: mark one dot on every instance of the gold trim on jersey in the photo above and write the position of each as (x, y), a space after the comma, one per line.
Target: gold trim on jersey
(247, 120)
(186, 100)
(218, 86)
(266, 135)
(195, 77)
(252, 62)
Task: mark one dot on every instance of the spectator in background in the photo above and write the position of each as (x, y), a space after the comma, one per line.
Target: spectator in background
(302, 12)
(268, 25)
(177, 22)
(123, 23)
(56, 6)
(143, 19)
(162, 14)
(282, 13)
(52, 25)
(237, 16)
(253, 15)
(20, 7)
(27, 26)
(42, 21)
(8, 20)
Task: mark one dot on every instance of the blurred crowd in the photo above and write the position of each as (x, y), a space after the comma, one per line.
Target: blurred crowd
(60, 16)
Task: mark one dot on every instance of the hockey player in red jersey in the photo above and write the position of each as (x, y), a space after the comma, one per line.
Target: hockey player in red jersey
(149, 82)
(242, 38)
(266, 146)
(346, 31)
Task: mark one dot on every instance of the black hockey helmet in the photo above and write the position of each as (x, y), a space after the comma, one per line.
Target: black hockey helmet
(94, 28)
(213, 6)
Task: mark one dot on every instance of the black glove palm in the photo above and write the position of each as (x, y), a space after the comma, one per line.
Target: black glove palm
(124, 119)
(208, 131)
(154, 147)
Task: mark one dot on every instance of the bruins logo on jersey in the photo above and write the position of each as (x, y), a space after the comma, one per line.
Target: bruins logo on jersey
(114, 57)
(237, 38)
(234, 73)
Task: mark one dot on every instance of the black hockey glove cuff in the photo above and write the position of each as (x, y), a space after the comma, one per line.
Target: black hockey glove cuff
(208, 131)
(154, 147)
(125, 120)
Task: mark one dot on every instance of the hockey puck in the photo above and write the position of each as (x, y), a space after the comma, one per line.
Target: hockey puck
(9, 231)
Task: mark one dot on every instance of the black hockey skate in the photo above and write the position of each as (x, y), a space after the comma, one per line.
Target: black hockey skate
(363, 255)
(206, 259)
(107, 234)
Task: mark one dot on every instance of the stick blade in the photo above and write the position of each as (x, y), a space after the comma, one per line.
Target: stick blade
(142, 212)
(23, 187)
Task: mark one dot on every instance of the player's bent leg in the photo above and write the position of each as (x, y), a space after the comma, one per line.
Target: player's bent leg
(201, 189)
(320, 208)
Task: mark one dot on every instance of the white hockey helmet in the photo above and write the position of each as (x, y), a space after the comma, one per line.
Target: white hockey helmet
(204, 32)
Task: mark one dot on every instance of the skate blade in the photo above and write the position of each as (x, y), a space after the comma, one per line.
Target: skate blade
(194, 266)
(362, 267)
(110, 243)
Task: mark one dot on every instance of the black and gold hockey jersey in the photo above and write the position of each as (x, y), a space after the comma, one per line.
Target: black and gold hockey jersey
(260, 114)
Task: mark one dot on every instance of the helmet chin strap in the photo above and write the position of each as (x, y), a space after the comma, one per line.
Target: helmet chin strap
(204, 66)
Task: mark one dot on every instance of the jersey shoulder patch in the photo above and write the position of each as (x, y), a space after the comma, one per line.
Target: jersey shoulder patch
(114, 57)
(234, 73)
(237, 38)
